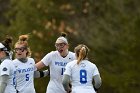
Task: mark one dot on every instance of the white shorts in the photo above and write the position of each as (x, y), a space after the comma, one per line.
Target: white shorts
(83, 90)
(55, 87)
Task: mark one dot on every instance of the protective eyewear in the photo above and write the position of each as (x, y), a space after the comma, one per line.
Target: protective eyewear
(20, 49)
(61, 45)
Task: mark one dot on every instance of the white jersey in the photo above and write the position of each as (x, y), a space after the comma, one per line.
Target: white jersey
(57, 65)
(25, 75)
(81, 76)
(7, 68)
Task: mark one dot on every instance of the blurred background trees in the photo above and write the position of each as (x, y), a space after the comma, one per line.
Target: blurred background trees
(109, 27)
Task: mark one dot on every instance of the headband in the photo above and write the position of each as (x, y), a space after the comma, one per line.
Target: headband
(1, 45)
(61, 39)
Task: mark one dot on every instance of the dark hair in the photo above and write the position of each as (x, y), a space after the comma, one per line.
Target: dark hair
(7, 43)
(81, 52)
(63, 34)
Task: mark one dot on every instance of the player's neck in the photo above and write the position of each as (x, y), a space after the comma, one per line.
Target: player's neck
(64, 54)
(23, 60)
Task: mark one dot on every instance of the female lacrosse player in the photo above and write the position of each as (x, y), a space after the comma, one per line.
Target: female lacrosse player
(82, 73)
(7, 69)
(57, 60)
(25, 67)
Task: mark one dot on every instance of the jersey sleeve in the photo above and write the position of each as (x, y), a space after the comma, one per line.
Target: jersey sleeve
(35, 69)
(5, 69)
(73, 56)
(68, 69)
(47, 59)
(96, 72)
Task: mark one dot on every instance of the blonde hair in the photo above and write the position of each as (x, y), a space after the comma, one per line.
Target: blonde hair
(23, 40)
(62, 37)
(81, 52)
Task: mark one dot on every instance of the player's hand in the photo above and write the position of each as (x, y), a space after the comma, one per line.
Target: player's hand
(70, 86)
(69, 92)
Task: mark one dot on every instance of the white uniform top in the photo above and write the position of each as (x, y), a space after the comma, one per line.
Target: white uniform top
(25, 75)
(81, 76)
(7, 68)
(57, 65)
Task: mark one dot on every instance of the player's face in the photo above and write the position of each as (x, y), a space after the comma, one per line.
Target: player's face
(2, 54)
(21, 51)
(61, 47)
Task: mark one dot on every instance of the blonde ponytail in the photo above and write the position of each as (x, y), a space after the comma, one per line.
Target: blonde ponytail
(81, 52)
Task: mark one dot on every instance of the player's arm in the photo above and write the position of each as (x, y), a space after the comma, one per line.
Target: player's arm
(97, 82)
(3, 83)
(65, 82)
(39, 74)
(40, 65)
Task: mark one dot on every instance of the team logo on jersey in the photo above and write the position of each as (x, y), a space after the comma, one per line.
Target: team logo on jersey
(83, 65)
(4, 69)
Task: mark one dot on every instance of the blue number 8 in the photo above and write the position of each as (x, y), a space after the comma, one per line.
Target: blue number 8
(83, 76)
(27, 77)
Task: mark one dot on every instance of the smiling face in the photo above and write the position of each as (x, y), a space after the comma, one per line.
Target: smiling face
(20, 51)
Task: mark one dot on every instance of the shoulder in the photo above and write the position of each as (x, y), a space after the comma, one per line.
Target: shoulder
(92, 64)
(8, 60)
(49, 56)
(6, 63)
(72, 63)
(71, 53)
(16, 61)
(88, 63)
(52, 53)
(31, 60)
